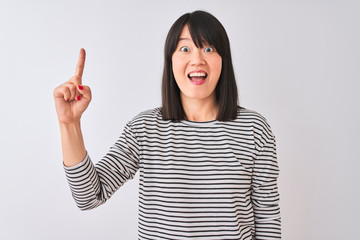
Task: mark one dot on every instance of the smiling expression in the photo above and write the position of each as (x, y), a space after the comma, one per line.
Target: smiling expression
(196, 70)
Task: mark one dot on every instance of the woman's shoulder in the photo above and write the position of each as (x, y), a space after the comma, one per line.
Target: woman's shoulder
(246, 113)
(257, 119)
(147, 116)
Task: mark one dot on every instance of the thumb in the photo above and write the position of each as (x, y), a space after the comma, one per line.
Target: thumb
(85, 91)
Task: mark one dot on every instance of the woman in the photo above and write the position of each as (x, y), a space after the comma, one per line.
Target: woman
(208, 168)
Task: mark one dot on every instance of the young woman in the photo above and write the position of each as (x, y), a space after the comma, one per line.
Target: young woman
(208, 168)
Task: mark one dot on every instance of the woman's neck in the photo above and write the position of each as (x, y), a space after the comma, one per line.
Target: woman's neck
(200, 110)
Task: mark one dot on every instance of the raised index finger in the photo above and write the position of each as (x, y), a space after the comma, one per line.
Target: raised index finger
(81, 63)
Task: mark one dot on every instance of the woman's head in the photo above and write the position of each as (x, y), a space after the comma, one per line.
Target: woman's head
(206, 33)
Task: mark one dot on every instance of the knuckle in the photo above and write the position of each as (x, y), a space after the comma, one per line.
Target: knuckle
(70, 86)
(55, 93)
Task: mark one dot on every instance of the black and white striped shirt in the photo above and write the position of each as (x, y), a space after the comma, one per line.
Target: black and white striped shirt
(198, 180)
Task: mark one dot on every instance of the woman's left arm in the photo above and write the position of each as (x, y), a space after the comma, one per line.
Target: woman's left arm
(265, 195)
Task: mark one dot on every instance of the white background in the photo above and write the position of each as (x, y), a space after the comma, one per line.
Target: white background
(296, 62)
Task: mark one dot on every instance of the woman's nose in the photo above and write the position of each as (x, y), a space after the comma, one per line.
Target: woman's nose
(197, 57)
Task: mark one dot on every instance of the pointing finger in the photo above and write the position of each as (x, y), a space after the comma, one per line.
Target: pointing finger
(81, 63)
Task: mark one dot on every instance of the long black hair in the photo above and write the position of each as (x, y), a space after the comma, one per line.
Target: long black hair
(204, 29)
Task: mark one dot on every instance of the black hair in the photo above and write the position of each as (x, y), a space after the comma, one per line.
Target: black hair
(204, 28)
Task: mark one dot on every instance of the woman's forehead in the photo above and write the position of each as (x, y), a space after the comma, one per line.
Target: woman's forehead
(185, 35)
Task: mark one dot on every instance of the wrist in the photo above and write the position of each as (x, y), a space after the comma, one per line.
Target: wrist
(70, 124)
(73, 128)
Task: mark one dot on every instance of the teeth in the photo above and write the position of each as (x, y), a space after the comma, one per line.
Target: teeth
(198, 74)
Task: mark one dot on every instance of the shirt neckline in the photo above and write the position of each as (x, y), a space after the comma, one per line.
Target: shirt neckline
(200, 123)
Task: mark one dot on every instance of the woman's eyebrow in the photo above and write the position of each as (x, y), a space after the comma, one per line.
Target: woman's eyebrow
(181, 39)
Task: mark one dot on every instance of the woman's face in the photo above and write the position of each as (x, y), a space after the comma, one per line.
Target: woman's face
(196, 71)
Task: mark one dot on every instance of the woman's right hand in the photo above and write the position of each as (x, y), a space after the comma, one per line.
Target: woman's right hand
(70, 100)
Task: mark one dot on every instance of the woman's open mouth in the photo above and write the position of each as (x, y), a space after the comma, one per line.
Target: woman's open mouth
(198, 77)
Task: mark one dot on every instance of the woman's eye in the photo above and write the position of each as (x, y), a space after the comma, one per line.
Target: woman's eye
(209, 49)
(184, 49)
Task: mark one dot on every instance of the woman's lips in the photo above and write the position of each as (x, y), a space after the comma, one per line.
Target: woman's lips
(197, 77)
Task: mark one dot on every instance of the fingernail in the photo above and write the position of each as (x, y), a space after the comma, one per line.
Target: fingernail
(68, 100)
(78, 98)
(80, 87)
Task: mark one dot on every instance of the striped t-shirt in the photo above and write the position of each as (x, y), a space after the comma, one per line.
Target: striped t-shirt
(198, 180)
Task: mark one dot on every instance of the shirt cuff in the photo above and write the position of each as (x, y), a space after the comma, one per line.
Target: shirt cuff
(79, 165)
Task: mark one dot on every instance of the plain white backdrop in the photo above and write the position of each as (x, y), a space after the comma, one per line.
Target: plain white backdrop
(297, 63)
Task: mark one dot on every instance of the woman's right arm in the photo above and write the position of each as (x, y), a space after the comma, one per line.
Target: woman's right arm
(90, 185)
(71, 100)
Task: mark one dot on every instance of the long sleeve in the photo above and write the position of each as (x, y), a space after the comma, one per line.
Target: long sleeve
(265, 196)
(92, 185)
